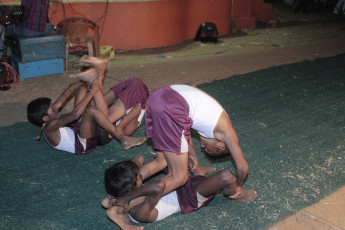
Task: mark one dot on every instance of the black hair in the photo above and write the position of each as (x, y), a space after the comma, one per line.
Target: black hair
(120, 178)
(37, 109)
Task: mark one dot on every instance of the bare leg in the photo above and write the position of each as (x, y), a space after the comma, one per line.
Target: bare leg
(177, 171)
(89, 122)
(88, 76)
(130, 123)
(129, 142)
(224, 181)
(80, 93)
(116, 112)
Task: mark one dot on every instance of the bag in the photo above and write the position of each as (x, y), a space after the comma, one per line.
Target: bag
(8, 76)
(207, 32)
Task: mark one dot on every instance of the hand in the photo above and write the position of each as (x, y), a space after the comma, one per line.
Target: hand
(237, 194)
(200, 170)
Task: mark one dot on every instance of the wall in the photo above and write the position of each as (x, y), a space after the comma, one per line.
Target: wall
(132, 25)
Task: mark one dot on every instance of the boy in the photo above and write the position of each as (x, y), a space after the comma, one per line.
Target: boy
(126, 102)
(196, 193)
(170, 114)
(77, 131)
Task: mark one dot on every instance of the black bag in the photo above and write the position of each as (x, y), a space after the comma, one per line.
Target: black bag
(207, 32)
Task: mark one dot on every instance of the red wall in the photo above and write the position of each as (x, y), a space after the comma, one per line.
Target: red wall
(149, 24)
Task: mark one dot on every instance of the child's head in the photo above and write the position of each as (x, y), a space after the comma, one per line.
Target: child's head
(213, 147)
(121, 178)
(37, 109)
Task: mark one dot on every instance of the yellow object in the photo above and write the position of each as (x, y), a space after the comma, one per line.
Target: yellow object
(107, 52)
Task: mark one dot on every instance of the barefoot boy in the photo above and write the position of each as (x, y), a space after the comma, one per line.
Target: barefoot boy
(196, 193)
(171, 113)
(77, 132)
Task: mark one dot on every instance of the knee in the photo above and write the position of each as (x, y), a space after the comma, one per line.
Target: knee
(161, 161)
(226, 177)
(159, 188)
(177, 179)
(92, 111)
(182, 179)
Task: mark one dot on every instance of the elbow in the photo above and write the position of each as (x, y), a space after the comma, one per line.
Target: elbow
(159, 188)
(226, 178)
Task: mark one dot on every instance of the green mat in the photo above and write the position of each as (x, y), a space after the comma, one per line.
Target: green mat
(291, 125)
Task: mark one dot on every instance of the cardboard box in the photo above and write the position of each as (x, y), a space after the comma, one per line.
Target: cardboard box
(28, 49)
(38, 68)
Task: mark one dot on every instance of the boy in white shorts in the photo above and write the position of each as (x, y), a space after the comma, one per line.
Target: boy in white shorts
(77, 132)
(196, 193)
(171, 113)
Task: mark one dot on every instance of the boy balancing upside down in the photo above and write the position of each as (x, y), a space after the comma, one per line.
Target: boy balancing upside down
(77, 132)
(171, 113)
(197, 192)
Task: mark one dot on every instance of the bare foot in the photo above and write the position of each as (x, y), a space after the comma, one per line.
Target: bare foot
(87, 76)
(98, 63)
(129, 142)
(119, 217)
(247, 196)
(200, 170)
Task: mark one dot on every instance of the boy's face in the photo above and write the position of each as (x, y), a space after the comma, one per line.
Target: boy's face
(213, 146)
(52, 112)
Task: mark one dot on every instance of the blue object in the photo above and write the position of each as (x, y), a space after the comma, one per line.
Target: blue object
(28, 49)
(38, 68)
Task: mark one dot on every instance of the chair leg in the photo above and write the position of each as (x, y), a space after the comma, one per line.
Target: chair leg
(67, 54)
(90, 49)
(96, 48)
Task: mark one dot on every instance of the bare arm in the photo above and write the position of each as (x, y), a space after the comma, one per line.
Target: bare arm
(192, 157)
(153, 166)
(62, 99)
(141, 209)
(133, 114)
(177, 175)
(76, 113)
(225, 132)
(147, 190)
(130, 123)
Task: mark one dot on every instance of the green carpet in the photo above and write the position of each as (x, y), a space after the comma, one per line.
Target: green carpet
(291, 125)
